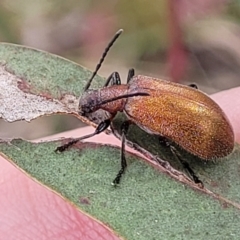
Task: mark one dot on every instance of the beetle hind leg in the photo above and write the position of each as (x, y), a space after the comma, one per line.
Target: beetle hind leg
(187, 167)
(166, 143)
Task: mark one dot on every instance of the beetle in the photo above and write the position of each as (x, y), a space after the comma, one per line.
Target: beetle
(177, 113)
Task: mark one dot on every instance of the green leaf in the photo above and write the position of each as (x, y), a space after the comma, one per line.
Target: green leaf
(146, 205)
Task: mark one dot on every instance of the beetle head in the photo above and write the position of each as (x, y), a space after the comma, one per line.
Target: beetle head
(89, 102)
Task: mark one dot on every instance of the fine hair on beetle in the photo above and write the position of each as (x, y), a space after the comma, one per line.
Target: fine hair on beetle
(176, 113)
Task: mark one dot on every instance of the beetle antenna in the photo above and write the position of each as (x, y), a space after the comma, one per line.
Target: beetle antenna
(117, 34)
(124, 96)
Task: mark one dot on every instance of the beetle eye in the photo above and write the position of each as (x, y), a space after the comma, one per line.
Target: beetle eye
(84, 110)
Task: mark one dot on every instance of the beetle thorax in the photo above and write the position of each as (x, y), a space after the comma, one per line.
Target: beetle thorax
(111, 92)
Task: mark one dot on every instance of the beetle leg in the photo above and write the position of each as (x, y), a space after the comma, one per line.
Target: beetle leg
(124, 130)
(165, 142)
(131, 73)
(193, 85)
(187, 167)
(100, 128)
(114, 78)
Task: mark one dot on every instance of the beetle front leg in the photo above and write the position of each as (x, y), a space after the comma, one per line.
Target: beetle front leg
(100, 128)
(124, 130)
(114, 78)
(131, 73)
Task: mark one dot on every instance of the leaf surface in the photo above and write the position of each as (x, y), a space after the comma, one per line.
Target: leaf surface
(148, 204)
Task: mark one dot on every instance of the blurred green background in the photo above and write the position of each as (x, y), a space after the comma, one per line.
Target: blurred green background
(181, 40)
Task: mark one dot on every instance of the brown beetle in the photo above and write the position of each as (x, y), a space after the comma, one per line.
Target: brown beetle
(177, 113)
